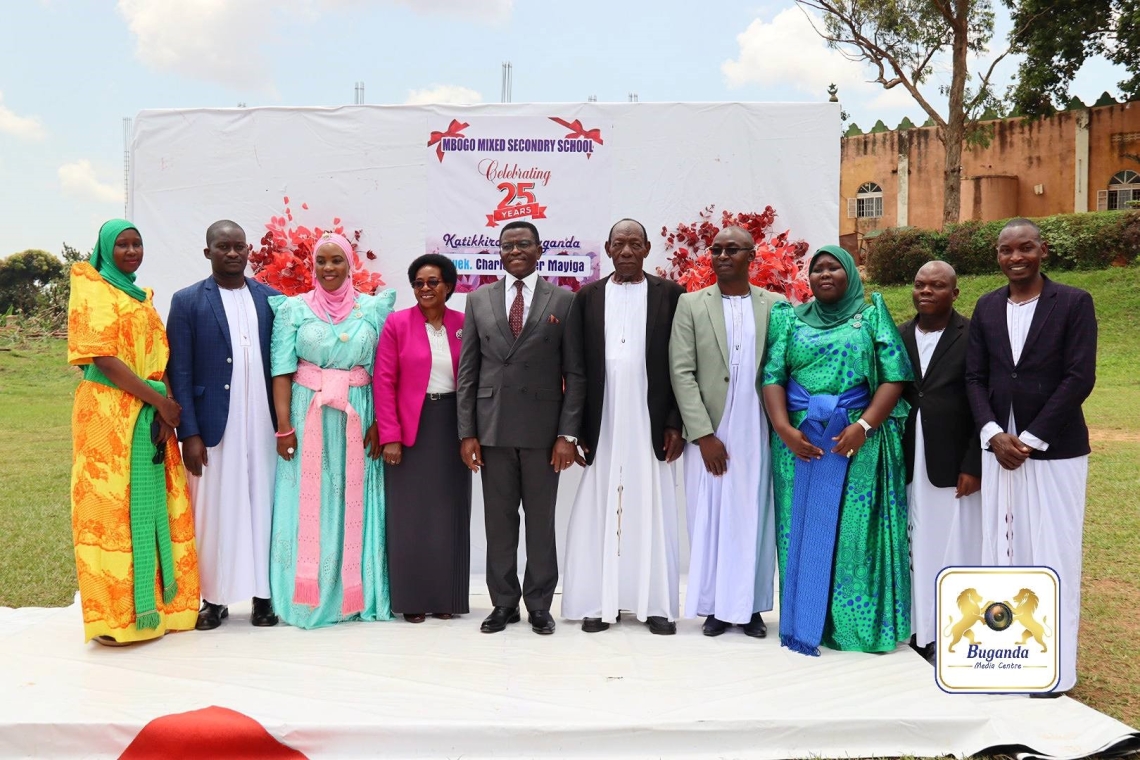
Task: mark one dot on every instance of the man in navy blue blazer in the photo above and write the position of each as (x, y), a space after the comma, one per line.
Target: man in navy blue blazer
(1030, 364)
(219, 332)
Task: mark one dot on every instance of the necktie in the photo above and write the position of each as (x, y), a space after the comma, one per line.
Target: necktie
(515, 318)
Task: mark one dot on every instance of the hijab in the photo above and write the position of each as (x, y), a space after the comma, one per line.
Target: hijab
(103, 259)
(335, 305)
(824, 316)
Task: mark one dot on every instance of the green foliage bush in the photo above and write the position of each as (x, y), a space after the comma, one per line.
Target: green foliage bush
(1076, 241)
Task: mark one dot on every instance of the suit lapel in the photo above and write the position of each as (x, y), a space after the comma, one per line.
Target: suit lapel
(264, 314)
(1044, 308)
(949, 337)
(715, 310)
(215, 300)
(599, 306)
(497, 292)
(911, 343)
(760, 317)
(1003, 324)
(653, 303)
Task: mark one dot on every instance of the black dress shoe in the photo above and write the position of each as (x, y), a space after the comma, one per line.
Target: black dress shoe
(262, 614)
(755, 627)
(415, 617)
(661, 626)
(594, 625)
(714, 627)
(542, 623)
(211, 616)
(499, 618)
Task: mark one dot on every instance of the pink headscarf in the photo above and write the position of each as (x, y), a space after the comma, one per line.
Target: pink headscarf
(337, 304)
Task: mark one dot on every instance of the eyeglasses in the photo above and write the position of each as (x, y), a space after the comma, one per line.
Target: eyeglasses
(524, 246)
(432, 283)
(635, 245)
(716, 251)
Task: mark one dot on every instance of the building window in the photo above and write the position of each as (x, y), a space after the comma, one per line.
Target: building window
(1123, 189)
(867, 203)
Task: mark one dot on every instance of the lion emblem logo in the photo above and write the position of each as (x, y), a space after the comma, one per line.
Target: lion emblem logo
(1024, 606)
(970, 605)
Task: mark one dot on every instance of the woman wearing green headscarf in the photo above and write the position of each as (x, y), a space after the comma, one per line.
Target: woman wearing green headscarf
(130, 509)
(832, 381)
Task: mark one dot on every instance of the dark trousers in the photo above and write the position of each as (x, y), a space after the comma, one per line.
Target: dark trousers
(512, 475)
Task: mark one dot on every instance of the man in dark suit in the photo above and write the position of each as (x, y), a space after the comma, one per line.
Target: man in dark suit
(1031, 364)
(943, 457)
(520, 390)
(621, 546)
(219, 333)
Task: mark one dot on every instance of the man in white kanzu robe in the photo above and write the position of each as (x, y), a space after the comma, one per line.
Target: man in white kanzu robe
(1030, 366)
(943, 458)
(621, 548)
(219, 333)
(719, 334)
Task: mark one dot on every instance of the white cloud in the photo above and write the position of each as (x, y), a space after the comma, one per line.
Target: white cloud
(443, 93)
(788, 51)
(24, 127)
(484, 10)
(203, 39)
(80, 179)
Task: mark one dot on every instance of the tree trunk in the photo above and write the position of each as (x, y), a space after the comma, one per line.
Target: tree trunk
(955, 132)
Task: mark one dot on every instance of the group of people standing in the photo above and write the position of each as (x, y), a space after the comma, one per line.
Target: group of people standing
(327, 443)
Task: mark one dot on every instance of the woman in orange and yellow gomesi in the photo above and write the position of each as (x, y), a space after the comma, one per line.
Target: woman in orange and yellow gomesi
(130, 509)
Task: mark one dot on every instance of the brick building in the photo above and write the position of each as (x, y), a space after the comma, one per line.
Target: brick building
(1081, 159)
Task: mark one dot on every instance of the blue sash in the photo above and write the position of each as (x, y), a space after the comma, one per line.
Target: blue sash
(816, 497)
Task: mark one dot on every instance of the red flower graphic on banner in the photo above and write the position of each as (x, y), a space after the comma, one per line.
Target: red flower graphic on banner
(285, 259)
(779, 262)
(455, 129)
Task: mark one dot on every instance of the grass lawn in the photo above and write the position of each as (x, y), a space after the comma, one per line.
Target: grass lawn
(36, 563)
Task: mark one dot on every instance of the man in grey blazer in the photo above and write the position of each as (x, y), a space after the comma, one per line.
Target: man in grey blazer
(716, 350)
(521, 392)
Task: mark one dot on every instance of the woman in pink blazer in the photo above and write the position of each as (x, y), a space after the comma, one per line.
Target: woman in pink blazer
(428, 487)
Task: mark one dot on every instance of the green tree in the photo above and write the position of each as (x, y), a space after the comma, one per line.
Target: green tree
(23, 276)
(1058, 36)
(899, 40)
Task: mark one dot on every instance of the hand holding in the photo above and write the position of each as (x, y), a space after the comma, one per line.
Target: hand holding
(194, 455)
(170, 412)
(674, 445)
(1011, 453)
(850, 440)
(714, 454)
(393, 453)
(165, 433)
(967, 484)
(372, 442)
(580, 456)
(287, 446)
(471, 453)
(799, 445)
(563, 455)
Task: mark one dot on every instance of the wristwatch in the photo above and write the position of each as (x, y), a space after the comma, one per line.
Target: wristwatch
(569, 439)
(865, 425)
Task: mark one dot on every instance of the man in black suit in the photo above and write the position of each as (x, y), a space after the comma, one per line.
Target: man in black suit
(943, 456)
(520, 394)
(1031, 363)
(621, 547)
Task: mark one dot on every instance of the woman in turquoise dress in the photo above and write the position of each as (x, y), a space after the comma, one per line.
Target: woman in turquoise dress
(328, 561)
(832, 382)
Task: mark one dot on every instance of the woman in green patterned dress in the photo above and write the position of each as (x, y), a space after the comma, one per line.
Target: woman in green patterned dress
(832, 380)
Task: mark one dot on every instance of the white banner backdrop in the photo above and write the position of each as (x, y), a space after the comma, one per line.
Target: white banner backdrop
(397, 177)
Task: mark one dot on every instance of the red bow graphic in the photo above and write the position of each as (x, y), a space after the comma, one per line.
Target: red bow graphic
(454, 129)
(577, 130)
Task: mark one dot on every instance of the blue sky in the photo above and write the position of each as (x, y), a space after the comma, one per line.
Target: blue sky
(70, 70)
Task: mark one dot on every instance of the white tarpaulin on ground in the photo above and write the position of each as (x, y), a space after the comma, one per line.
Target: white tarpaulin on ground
(411, 179)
